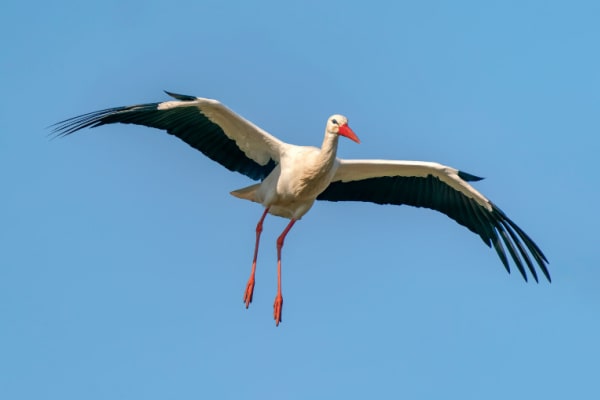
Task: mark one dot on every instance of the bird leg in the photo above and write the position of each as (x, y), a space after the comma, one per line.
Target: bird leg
(279, 299)
(250, 285)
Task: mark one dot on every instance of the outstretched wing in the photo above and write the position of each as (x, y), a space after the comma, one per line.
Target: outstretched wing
(205, 124)
(440, 188)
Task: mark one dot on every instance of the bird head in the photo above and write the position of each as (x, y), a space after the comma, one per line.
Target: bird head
(338, 124)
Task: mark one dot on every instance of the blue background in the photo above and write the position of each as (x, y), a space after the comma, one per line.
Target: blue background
(123, 258)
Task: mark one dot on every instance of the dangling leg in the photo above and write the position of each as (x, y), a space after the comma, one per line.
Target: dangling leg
(250, 285)
(279, 299)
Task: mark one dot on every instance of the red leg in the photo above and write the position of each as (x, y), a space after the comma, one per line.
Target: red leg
(250, 285)
(279, 299)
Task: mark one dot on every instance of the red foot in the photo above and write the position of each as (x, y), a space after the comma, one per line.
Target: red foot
(249, 291)
(277, 309)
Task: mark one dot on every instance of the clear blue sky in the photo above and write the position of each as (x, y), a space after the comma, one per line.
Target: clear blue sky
(123, 258)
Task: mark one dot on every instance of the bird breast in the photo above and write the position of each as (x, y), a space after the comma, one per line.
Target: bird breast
(305, 174)
(291, 189)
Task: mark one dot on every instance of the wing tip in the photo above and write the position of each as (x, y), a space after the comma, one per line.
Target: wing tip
(519, 237)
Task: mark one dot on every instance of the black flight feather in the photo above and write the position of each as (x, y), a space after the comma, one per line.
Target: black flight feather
(493, 227)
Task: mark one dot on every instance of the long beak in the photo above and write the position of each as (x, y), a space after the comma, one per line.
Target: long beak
(345, 130)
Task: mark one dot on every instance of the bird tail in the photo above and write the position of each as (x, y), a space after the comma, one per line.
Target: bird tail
(247, 193)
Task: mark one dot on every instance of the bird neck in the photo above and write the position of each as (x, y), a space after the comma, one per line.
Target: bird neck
(329, 146)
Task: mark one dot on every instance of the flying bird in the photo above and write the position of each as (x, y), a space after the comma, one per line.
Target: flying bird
(292, 177)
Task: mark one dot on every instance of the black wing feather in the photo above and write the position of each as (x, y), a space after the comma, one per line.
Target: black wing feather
(494, 227)
(187, 123)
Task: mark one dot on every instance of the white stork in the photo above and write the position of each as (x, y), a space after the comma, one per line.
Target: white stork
(293, 177)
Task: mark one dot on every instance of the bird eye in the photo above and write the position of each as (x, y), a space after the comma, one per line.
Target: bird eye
(334, 121)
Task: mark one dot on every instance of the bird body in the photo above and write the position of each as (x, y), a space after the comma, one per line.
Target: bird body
(293, 177)
(302, 174)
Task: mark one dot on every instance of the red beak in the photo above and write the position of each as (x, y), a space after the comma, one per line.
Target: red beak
(346, 131)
